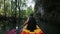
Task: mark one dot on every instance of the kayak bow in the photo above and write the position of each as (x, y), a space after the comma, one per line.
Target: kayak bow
(36, 31)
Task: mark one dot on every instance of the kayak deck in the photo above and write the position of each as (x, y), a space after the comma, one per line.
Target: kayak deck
(36, 31)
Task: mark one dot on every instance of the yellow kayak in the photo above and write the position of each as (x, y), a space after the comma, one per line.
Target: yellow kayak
(36, 31)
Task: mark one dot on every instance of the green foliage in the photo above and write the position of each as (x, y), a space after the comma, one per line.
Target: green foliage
(10, 8)
(13, 10)
(29, 11)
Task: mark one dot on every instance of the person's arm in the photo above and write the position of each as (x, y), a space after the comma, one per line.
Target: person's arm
(26, 22)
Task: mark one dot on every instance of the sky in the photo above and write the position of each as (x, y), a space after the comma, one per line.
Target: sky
(30, 3)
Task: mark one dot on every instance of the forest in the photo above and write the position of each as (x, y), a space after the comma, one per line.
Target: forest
(14, 13)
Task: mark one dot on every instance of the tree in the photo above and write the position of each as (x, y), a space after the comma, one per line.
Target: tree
(29, 11)
(51, 14)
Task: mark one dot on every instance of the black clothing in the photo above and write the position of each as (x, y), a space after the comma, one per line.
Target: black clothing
(31, 24)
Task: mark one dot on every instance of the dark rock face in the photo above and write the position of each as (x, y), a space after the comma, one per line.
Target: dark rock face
(49, 10)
